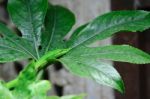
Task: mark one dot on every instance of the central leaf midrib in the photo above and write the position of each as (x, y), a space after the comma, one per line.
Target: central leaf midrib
(32, 27)
(105, 30)
(82, 55)
(53, 30)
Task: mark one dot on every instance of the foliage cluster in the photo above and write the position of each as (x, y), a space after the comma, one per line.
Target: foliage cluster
(43, 27)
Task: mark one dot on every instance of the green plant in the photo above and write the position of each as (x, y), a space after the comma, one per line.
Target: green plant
(43, 27)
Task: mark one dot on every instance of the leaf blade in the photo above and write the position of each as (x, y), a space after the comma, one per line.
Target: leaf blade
(58, 23)
(31, 14)
(110, 23)
(12, 47)
(122, 53)
(102, 73)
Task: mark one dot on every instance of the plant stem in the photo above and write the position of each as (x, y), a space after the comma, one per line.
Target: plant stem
(12, 83)
(50, 58)
(30, 72)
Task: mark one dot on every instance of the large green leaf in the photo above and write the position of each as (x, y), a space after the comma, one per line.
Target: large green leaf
(91, 68)
(106, 25)
(123, 53)
(83, 61)
(12, 47)
(58, 23)
(28, 16)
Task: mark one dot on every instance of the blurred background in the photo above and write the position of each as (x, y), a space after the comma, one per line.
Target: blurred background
(136, 77)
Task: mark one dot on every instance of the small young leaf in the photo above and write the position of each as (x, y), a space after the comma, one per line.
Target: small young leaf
(38, 90)
(58, 23)
(28, 16)
(32, 90)
(90, 68)
(5, 93)
(123, 53)
(108, 24)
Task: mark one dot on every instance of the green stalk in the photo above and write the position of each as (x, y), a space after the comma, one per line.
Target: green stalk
(12, 83)
(30, 72)
(49, 58)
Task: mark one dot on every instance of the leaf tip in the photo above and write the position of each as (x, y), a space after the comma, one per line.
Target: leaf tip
(120, 86)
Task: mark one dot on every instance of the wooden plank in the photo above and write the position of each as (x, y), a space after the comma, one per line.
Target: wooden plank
(122, 4)
(144, 41)
(144, 2)
(129, 72)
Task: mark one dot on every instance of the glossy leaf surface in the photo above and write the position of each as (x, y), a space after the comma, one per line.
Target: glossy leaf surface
(123, 53)
(101, 72)
(108, 24)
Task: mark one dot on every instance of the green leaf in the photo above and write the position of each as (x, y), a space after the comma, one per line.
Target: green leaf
(28, 16)
(123, 53)
(12, 47)
(58, 23)
(77, 31)
(99, 71)
(108, 24)
(91, 68)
